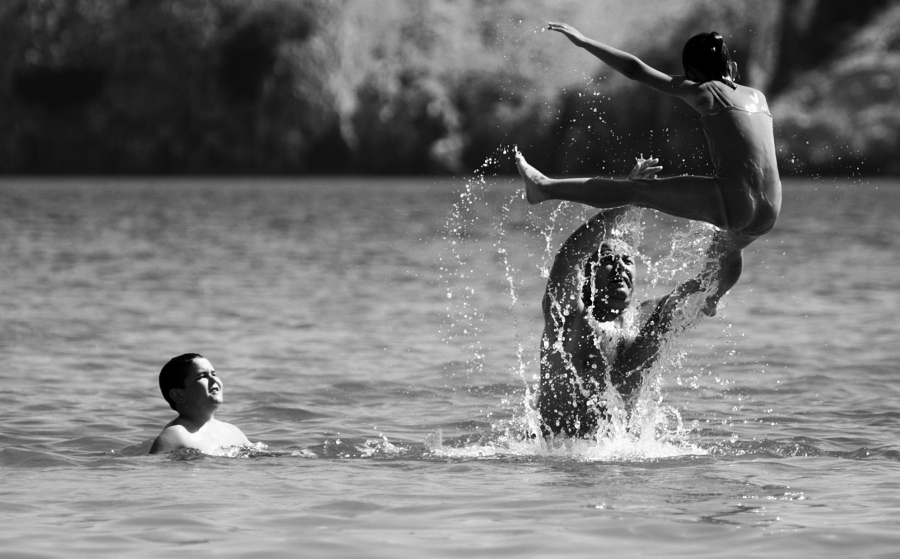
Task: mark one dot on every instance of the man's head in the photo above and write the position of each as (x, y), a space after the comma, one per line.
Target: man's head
(609, 279)
(190, 379)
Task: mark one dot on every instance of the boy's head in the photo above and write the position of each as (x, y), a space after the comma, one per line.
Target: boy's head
(173, 374)
(705, 57)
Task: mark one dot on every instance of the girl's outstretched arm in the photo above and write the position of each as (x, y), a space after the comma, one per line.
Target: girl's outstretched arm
(630, 66)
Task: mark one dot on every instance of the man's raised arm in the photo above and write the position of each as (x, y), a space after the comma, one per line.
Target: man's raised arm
(720, 273)
(564, 283)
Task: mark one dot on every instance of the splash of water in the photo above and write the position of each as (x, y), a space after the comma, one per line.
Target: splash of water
(667, 438)
(645, 427)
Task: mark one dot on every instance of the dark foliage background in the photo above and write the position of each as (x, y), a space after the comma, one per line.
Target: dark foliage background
(425, 86)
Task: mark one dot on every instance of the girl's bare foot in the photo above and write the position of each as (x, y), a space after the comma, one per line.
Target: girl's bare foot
(534, 180)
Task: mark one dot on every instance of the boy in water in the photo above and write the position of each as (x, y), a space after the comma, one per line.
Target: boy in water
(743, 198)
(190, 385)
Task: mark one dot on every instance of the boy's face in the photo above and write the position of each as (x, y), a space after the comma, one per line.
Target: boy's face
(202, 387)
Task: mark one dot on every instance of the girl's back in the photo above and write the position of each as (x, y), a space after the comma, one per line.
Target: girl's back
(738, 129)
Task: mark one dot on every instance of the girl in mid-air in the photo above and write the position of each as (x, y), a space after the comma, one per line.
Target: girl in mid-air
(742, 198)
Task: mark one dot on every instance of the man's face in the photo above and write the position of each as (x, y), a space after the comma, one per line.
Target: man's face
(614, 278)
(202, 387)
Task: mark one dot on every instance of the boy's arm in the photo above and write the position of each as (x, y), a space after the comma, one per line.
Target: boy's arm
(632, 67)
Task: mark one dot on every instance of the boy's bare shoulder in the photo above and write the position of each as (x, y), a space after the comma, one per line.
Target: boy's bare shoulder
(234, 435)
(210, 438)
(173, 436)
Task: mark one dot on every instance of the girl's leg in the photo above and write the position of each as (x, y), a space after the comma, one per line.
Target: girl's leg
(696, 198)
(724, 265)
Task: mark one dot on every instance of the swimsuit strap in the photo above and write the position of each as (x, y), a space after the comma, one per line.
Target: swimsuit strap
(726, 102)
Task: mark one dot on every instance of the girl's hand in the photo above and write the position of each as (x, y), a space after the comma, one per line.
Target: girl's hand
(645, 169)
(570, 32)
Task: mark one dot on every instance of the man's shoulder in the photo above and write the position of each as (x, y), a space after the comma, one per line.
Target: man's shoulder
(647, 307)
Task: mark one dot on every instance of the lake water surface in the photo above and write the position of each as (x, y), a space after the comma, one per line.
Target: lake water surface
(378, 336)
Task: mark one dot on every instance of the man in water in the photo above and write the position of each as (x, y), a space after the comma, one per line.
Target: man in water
(190, 385)
(592, 336)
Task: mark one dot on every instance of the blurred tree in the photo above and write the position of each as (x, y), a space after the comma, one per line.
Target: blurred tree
(399, 122)
(167, 86)
(420, 86)
(814, 30)
(50, 73)
(843, 117)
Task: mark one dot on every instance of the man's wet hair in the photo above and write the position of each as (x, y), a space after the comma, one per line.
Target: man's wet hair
(173, 374)
(707, 53)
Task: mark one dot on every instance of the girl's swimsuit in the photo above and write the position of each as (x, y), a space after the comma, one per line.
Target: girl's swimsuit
(742, 148)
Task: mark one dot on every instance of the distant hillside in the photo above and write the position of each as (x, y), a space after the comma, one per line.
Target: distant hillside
(423, 86)
(844, 116)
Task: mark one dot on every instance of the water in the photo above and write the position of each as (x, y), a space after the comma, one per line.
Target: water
(390, 418)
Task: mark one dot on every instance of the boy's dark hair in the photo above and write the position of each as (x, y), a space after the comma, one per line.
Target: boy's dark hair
(707, 53)
(173, 374)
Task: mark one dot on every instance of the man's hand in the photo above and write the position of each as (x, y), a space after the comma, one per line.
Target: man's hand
(645, 169)
(570, 32)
